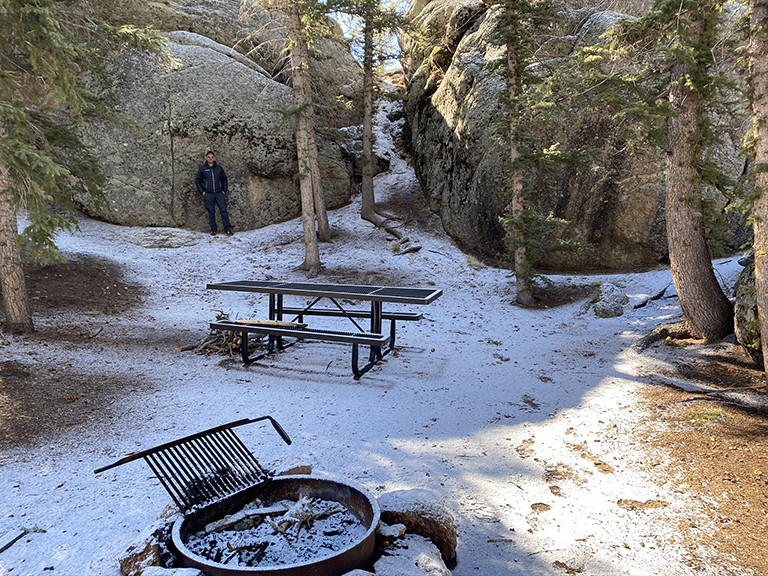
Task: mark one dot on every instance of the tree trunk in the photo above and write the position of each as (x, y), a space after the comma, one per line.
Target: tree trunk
(522, 268)
(368, 210)
(301, 78)
(323, 227)
(298, 55)
(758, 78)
(18, 318)
(707, 311)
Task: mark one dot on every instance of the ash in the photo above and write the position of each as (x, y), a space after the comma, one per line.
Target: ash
(282, 533)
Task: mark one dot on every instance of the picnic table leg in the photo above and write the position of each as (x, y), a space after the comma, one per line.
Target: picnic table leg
(356, 370)
(244, 349)
(391, 335)
(270, 342)
(376, 312)
(276, 313)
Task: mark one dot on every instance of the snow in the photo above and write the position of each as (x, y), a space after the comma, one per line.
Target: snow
(519, 420)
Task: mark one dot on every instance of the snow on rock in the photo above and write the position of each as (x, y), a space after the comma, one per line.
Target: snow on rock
(413, 555)
(422, 512)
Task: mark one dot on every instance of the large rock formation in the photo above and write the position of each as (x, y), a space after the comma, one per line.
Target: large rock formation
(211, 96)
(453, 110)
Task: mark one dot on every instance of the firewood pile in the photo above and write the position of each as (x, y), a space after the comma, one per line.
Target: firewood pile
(219, 341)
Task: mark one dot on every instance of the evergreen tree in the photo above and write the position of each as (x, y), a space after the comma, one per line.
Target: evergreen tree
(708, 312)
(304, 126)
(758, 80)
(685, 32)
(519, 18)
(47, 48)
(659, 77)
(376, 20)
(305, 21)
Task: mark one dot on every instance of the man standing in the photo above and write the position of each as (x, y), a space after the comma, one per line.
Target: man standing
(211, 182)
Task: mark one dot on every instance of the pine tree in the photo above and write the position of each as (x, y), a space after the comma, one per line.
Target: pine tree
(47, 49)
(304, 22)
(376, 21)
(518, 20)
(659, 77)
(18, 317)
(758, 79)
(708, 312)
(685, 33)
(304, 126)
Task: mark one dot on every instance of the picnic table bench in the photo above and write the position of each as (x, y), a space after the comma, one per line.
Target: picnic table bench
(299, 314)
(276, 329)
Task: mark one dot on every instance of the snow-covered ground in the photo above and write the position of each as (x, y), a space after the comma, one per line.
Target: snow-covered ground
(520, 420)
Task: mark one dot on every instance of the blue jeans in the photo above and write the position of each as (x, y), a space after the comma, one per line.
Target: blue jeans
(210, 201)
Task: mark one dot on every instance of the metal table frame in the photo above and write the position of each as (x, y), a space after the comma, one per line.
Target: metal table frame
(376, 295)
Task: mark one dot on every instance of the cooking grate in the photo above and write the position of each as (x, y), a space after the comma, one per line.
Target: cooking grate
(205, 467)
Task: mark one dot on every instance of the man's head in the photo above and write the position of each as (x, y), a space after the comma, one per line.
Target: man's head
(210, 158)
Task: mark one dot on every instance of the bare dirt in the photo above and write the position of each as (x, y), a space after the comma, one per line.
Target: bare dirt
(705, 444)
(54, 398)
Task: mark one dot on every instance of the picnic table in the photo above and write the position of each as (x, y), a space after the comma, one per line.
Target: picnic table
(278, 329)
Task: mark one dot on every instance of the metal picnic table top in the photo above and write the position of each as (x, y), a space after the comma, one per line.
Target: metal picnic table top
(394, 294)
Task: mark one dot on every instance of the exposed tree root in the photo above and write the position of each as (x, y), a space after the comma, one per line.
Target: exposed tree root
(312, 270)
(676, 331)
(705, 393)
(384, 221)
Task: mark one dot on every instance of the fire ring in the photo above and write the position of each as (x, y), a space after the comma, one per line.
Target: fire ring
(357, 501)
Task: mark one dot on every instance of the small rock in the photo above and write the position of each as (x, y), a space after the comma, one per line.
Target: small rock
(389, 532)
(291, 466)
(151, 547)
(473, 262)
(611, 301)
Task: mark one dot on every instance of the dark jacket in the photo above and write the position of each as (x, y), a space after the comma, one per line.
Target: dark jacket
(211, 179)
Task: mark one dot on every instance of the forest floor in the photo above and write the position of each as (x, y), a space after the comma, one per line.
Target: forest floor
(711, 448)
(715, 448)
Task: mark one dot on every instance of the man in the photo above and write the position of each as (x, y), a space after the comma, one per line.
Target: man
(211, 182)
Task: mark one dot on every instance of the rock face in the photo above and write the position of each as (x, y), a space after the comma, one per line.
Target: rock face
(453, 111)
(210, 97)
(746, 322)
